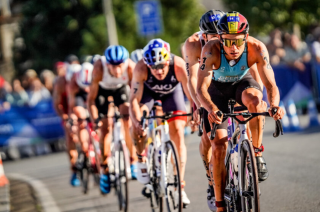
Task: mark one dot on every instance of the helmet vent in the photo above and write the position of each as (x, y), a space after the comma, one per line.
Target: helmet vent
(241, 27)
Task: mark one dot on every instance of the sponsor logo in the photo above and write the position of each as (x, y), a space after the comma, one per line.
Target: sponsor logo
(243, 68)
(150, 79)
(166, 87)
(173, 79)
(6, 128)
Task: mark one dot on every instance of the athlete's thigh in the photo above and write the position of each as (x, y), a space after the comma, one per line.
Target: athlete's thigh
(247, 90)
(174, 101)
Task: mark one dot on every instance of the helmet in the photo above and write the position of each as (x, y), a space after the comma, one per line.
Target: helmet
(116, 55)
(156, 52)
(209, 20)
(233, 23)
(72, 68)
(136, 55)
(71, 58)
(84, 76)
(94, 58)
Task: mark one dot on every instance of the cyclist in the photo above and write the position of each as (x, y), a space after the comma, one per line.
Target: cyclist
(136, 55)
(78, 90)
(60, 103)
(159, 76)
(224, 74)
(112, 74)
(192, 53)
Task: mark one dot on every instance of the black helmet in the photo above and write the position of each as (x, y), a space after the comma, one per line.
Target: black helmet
(209, 20)
(233, 23)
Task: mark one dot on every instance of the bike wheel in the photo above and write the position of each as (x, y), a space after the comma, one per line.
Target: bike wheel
(121, 180)
(172, 178)
(250, 199)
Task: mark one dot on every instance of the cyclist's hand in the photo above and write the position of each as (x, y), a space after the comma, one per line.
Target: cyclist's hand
(196, 117)
(139, 129)
(278, 115)
(214, 117)
(96, 125)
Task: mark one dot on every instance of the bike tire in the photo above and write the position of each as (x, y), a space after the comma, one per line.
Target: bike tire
(173, 180)
(250, 199)
(121, 180)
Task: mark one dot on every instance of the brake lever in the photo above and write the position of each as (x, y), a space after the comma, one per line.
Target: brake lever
(278, 127)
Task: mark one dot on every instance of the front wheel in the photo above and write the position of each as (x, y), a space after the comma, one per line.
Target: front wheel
(121, 181)
(172, 181)
(250, 199)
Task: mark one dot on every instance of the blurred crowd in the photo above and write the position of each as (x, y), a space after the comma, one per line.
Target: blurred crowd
(289, 49)
(31, 88)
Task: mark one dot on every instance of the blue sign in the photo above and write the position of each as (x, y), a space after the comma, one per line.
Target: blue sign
(149, 17)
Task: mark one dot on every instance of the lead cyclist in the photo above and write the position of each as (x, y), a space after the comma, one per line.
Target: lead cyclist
(224, 74)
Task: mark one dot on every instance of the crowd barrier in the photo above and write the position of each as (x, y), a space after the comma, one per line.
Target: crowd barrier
(25, 125)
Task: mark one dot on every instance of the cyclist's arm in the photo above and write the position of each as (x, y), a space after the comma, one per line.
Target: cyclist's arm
(139, 76)
(72, 89)
(130, 71)
(56, 96)
(182, 77)
(267, 74)
(208, 57)
(94, 88)
(191, 55)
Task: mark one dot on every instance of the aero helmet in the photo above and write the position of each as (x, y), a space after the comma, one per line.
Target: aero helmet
(209, 20)
(156, 52)
(72, 68)
(136, 55)
(233, 23)
(116, 55)
(84, 76)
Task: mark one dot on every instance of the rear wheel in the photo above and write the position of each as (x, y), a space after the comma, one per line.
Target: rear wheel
(173, 180)
(250, 199)
(121, 181)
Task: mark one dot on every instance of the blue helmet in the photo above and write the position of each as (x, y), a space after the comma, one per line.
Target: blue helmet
(156, 52)
(116, 55)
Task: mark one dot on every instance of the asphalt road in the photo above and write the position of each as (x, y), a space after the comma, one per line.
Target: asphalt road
(293, 185)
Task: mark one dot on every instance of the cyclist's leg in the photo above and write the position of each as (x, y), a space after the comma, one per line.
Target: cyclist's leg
(205, 153)
(83, 134)
(219, 149)
(250, 94)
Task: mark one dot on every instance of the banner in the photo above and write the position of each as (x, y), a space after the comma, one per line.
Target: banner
(21, 126)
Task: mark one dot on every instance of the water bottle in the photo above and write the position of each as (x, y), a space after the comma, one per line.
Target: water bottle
(234, 158)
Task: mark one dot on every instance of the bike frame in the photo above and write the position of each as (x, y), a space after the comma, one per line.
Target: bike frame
(163, 129)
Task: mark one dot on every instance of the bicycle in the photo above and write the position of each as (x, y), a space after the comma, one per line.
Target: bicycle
(163, 164)
(242, 191)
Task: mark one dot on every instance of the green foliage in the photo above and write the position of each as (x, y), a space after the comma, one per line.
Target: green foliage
(53, 29)
(263, 16)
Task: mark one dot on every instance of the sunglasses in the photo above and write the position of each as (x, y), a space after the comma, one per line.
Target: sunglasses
(159, 66)
(231, 42)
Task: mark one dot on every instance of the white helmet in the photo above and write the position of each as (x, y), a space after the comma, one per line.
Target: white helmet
(84, 76)
(156, 52)
(136, 55)
(71, 69)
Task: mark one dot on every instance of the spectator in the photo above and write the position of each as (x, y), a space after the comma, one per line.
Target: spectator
(5, 91)
(28, 77)
(297, 53)
(37, 92)
(47, 78)
(275, 47)
(19, 96)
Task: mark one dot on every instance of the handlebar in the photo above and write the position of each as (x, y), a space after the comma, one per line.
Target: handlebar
(278, 127)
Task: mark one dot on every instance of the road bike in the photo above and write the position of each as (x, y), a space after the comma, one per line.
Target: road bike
(242, 188)
(163, 164)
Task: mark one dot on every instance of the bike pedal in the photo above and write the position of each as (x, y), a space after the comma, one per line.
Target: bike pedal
(185, 206)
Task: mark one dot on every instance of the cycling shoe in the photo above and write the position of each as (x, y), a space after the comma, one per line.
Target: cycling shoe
(211, 199)
(262, 168)
(74, 181)
(105, 183)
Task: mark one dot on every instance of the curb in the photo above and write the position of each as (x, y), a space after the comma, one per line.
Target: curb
(43, 194)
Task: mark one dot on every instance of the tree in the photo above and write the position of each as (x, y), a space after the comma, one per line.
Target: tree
(54, 29)
(264, 16)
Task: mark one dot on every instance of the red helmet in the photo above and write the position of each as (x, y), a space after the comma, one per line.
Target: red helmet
(233, 23)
